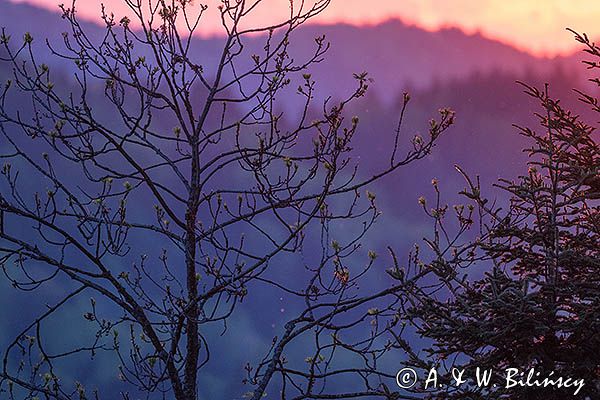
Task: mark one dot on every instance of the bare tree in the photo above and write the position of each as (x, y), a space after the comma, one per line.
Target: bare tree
(168, 190)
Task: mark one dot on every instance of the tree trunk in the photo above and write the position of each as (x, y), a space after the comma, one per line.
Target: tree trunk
(191, 316)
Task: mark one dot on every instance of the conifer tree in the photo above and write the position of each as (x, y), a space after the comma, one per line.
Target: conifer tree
(536, 303)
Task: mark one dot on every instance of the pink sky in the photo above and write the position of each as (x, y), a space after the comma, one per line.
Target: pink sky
(537, 26)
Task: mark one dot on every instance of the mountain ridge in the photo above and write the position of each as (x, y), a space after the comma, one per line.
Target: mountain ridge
(397, 55)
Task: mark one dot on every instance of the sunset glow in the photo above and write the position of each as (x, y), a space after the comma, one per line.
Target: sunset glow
(538, 27)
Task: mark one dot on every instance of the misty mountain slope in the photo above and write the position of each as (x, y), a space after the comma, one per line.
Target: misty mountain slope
(398, 55)
(468, 73)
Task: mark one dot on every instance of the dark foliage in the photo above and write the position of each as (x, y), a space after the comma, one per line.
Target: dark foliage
(537, 304)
